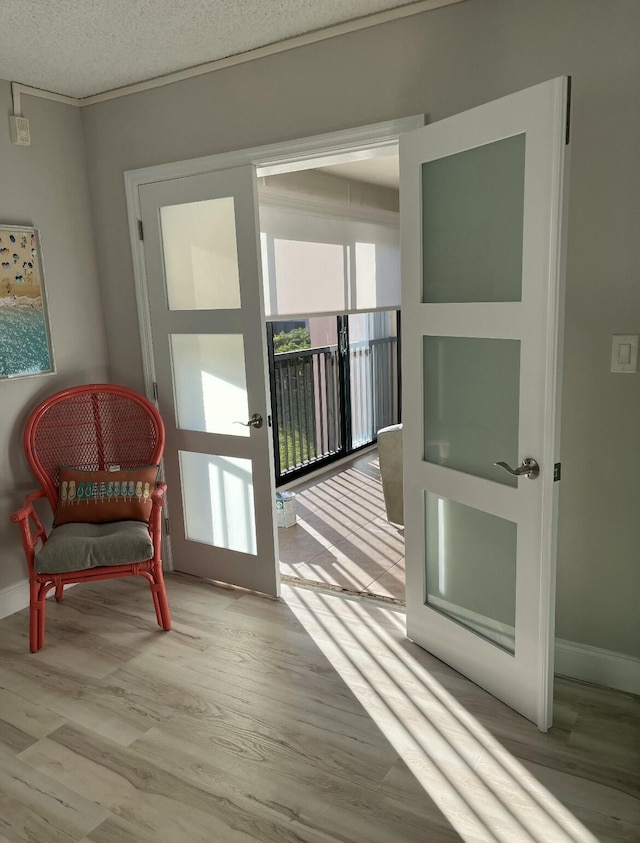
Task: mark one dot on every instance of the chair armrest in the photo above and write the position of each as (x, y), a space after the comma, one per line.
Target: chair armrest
(157, 496)
(27, 509)
(24, 518)
(155, 518)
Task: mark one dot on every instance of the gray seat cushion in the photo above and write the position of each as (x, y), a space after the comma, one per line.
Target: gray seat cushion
(74, 547)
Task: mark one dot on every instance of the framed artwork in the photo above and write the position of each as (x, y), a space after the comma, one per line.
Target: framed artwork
(25, 340)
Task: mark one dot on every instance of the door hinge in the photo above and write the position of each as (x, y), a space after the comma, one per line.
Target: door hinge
(140, 230)
(269, 421)
(167, 527)
(557, 472)
(568, 114)
(155, 392)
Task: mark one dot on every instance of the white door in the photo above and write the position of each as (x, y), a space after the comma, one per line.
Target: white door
(481, 211)
(201, 246)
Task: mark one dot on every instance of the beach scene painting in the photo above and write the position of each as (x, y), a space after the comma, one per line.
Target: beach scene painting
(25, 345)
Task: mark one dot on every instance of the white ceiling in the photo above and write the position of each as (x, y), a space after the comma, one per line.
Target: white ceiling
(85, 47)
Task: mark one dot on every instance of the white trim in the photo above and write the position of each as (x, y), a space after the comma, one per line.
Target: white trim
(597, 666)
(573, 660)
(366, 22)
(301, 153)
(14, 598)
(303, 204)
(17, 90)
(355, 141)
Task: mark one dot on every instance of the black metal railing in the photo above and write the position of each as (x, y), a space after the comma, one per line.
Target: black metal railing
(309, 394)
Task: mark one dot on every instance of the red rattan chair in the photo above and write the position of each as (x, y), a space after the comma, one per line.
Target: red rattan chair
(92, 427)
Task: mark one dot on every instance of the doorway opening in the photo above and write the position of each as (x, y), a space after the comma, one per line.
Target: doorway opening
(331, 274)
(335, 381)
(342, 539)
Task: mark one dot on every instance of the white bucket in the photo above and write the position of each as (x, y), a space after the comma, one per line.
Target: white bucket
(286, 509)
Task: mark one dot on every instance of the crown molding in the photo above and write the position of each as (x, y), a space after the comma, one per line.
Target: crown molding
(285, 45)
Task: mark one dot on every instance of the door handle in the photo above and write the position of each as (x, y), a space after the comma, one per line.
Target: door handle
(254, 421)
(529, 468)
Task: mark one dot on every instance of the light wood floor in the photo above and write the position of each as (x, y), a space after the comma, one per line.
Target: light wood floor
(342, 537)
(308, 719)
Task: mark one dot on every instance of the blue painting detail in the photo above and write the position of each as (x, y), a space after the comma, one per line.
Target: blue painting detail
(24, 349)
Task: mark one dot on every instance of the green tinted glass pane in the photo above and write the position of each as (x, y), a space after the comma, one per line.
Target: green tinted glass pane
(471, 568)
(472, 212)
(471, 404)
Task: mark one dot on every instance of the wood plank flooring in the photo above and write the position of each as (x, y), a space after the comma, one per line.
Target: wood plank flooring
(309, 719)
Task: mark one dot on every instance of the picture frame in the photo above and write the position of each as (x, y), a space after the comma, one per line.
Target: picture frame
(25, 335)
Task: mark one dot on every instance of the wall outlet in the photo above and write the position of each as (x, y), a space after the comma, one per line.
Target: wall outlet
(19, 129)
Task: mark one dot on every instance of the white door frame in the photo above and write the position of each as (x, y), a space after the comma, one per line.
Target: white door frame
(353, 144)
(348, 145)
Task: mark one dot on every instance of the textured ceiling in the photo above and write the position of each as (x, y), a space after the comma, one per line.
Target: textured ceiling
(85, 47)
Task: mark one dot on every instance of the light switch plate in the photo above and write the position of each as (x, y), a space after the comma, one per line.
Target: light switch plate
(624, 353)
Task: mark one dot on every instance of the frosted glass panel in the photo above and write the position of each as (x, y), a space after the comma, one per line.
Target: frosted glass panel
(217, 495)
(471, 568)
(472, 216)
(201, 255)
(210, 383)
(471, 404)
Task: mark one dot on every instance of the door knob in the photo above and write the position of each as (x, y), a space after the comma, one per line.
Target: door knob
(529, 468)
(254, 421)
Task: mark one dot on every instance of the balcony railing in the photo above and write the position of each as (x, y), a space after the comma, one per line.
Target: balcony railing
(373, 366)
(308, 399)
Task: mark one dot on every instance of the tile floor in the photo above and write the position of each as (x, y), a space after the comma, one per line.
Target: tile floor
(342, 537)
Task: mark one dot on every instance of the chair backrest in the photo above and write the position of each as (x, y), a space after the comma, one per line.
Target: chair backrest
(91, 427)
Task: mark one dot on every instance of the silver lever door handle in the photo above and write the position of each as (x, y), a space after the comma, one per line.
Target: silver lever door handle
(254, 421)
(529, 468)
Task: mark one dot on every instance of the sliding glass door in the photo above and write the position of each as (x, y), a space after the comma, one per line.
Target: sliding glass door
(335, 382)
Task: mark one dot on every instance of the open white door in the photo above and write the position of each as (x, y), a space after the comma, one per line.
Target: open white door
(201, 246)
(481, 213)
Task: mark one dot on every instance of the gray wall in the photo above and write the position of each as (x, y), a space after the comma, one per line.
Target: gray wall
(45, 185)
(440, 63)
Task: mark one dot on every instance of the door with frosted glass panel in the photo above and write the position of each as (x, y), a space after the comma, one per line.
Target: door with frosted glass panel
(205, 299)
(481, 214)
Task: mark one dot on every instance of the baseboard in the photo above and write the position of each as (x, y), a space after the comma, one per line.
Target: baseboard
(13, 598)
(599, 667)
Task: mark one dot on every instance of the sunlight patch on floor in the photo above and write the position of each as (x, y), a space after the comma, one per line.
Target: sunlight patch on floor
(485, 793)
